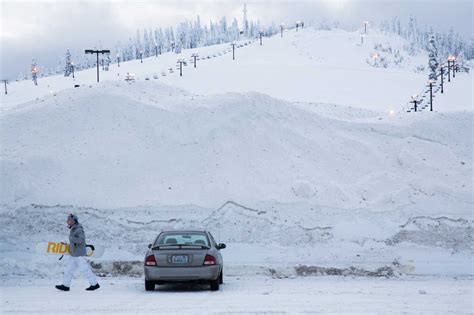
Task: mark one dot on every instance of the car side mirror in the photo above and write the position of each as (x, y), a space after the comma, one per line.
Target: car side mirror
(221, 246)
(149, 245)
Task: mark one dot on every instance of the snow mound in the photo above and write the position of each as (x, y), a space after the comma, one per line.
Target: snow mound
(239, 224)
(113, 145)
(444, 232)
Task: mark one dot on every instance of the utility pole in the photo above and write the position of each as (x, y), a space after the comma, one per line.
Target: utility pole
(195, 55)
(5, 81)
(181, 61)
(233, 49)
(415, 101)
(451, 60)
(97, 52)
(442, 78)
(34, 72)
(430, 82)
(449, 70)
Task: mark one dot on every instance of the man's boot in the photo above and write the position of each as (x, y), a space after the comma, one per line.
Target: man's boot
(93, 287)
(62, 287)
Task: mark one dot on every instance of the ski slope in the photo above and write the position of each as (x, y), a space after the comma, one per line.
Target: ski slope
(318, 66)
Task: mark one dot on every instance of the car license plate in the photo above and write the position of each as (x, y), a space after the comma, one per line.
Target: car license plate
(179, 259)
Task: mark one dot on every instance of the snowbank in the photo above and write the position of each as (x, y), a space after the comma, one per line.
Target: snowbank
(284, 184)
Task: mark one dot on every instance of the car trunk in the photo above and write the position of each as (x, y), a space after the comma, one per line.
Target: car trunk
(179, 257)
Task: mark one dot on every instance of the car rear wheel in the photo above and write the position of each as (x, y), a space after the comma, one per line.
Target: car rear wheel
(149, 285)
(215, 284)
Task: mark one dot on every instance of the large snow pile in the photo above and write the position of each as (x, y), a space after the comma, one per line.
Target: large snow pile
(316, 184)
(120, 145)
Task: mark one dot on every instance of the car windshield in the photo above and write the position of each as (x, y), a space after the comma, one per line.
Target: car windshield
(182, 238)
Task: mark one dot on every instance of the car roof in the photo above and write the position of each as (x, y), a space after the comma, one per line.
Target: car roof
(184, 231)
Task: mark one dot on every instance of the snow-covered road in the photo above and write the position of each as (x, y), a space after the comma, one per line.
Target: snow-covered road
(243, 294)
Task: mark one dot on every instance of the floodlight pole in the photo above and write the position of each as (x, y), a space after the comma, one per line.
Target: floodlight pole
(442, 79)
(5, 82)
(431, 95)
(233, 50)
(449, 70)
(415, 102)
(97, 52)
(181, 61)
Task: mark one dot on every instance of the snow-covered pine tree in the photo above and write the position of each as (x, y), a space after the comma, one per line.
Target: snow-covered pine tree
(433, 58)
(68, 67)
(107, 62)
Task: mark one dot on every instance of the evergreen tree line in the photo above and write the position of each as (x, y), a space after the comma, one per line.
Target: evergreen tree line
(149, 42)
(449, 43)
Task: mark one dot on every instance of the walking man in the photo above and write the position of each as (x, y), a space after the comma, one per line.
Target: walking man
(77, 259)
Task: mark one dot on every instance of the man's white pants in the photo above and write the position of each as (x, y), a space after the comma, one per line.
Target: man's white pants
(75, 263)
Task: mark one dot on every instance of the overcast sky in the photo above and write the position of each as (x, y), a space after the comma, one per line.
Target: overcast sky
(43, 30)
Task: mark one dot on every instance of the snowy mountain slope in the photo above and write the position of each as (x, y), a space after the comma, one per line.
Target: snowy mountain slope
(307, 66)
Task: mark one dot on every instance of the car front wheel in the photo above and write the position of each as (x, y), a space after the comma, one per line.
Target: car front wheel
(149, 285)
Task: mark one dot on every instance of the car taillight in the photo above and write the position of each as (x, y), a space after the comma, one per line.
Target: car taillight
(150, 260)
(209, 260)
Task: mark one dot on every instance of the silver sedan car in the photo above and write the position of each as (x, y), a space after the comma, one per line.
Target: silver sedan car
(184, 256)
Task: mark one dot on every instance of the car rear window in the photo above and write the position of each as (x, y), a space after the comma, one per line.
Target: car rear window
(180, 238)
